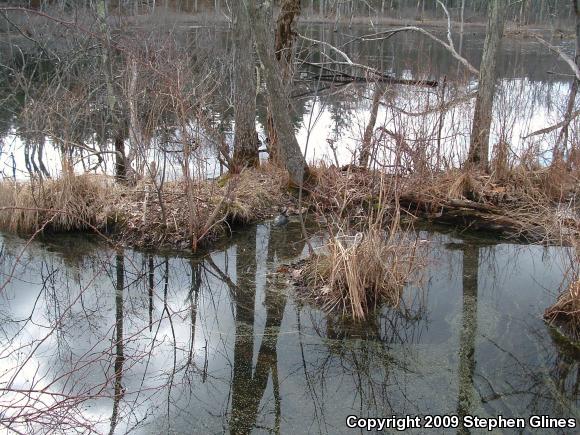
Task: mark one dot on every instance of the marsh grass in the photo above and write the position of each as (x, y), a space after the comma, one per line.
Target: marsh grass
(367, 257)
(136, 214)
(356, 275)
(69, 203)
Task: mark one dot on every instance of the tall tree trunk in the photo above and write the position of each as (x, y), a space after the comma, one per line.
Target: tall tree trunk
(112, 100)
(284, 44)
(365, 153)
(245, 137)
(562, 142)
(291, 157)
(479, 147)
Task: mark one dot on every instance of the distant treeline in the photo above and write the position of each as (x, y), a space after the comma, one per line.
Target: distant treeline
(549, 12)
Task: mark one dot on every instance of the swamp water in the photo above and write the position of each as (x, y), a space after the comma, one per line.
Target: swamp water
(127, 341)
(330, 118)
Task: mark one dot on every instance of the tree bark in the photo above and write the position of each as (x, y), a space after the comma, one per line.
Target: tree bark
(479, 147)
(284, 43)
(561, 144)
(120, 164)
(245, 137)
(365, 153)
(112, 100)
(290, 155)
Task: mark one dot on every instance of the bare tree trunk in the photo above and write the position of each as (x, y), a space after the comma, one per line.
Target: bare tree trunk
(370, 128)
(286, 33)
(291, 157)
(120, 165)
(137, 150)
(479, 147)
(285, 37)
(245, 137)
(461, 26)
(561, 144)
(112, 100)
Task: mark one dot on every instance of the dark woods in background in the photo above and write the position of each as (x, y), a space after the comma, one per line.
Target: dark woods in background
(523, 12)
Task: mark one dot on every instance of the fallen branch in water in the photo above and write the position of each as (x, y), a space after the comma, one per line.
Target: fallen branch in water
(561, 124)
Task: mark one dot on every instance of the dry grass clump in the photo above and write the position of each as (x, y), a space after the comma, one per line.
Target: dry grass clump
(565, 313)
(339, 191)
(68, 203)
(357, 274)
(516, 186)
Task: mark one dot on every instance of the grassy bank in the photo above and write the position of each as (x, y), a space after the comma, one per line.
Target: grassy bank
(147, 215)
(534, 206)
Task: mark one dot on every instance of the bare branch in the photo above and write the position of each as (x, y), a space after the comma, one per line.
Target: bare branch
(562, 55)
(553, 127)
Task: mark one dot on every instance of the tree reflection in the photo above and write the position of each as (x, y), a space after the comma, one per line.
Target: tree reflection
(249, 383)
(566, 369)
(466, 396)
(119, 352)
(193, 298)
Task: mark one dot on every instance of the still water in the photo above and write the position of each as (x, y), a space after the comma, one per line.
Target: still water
(122, 341)
(330, 118)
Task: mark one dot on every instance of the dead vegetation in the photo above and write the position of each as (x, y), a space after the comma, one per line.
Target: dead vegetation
(565, 313)
(139, 215)
(536, 206)
(532, 205)
(248, 197)
(69, 203)
(356, 275)
(366, 258)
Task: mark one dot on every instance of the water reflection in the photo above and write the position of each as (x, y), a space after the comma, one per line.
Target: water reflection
(533, 88)
(125, 341)
(466, 369)
(119, 355)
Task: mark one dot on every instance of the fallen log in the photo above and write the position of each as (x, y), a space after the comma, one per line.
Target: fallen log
(474, 215)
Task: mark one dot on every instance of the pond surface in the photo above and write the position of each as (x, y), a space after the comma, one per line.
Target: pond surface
(124, 341)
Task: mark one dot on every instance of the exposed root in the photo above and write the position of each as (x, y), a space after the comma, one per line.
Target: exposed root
(565, 313)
